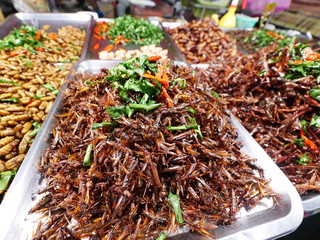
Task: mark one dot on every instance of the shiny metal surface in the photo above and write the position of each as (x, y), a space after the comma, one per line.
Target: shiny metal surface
(266, 221)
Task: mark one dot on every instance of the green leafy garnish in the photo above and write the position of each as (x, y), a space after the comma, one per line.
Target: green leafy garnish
(315, 121)
(304, 160)
(264, 37)
(51, 88)
(193, 125)
(38, 96)
(36, 126)
(11, 82)
(299, 142)
(137, 31)
(303, 124)
(28, 63)
(24, 37)
(10, 100)
(87, 157)
(315, 93)
(100, 125)
(174, 200)
(183, 82)
(5, 178)
(191, 110)
(215, 94)
(162, 236)
(128, 78)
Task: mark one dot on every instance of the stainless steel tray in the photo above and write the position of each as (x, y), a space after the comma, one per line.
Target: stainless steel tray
(55, 20)
(173, 52)
(266, 221)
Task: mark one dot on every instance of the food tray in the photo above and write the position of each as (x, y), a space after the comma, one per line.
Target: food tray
(173, 52)
(55, 20)
(266, 220)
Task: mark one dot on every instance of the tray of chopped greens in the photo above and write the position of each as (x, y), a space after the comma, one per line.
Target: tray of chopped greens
(123, 37)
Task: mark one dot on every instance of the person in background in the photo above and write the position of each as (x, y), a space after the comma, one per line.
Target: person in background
(7, 7)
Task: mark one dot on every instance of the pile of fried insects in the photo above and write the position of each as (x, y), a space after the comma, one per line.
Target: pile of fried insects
(141, 150)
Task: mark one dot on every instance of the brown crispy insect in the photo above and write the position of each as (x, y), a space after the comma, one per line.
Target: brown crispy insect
(24, 143)
(6, 140)
(6, 132)
(14, 162)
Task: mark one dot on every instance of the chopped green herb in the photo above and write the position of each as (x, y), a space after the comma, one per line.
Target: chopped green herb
(51, 88)
(88, 83)
(127, 29)
(304, 160)
(299, 142)
(183, 82)
(303, 124)
(315, 121)
(174, 200)
(315, 93)
(87, 157)
(55, 92)
(215, 94)
(61, 68)
(36, 126)
(38, 96)
(162, 236)
(191, 110)
(11, 82)
(5, 178)
(28, 63)
(193, 125)
(100, 125)
(10, 100)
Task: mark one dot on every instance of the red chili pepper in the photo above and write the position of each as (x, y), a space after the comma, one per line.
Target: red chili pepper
(308, 142)
(17, 52)
(310, 55)
(23, 31)
(108, 48)
(154, 58)
(96, 46)
(40, 49)
(53, 36)
(38, 35)
(297, 62)
(167, 97)
(164, 82)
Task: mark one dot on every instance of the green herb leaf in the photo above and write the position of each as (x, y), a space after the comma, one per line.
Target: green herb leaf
(315, 121)
(88, 83)
(36, 126)
(315, 93)
(146, 107)
(38, 96)
(5, 178)
(28, 63)
(303, 124)
(304, 160)
(174, 200)
(87, 157)
(100, 125)
(215, 94)
(49, 87)
(299, 142)
(11, 82)
(10, 100)
(116, 112)
(183, 83)
(191, 110)
(162, 236)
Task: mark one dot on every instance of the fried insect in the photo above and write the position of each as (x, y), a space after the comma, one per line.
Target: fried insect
(136, 162)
